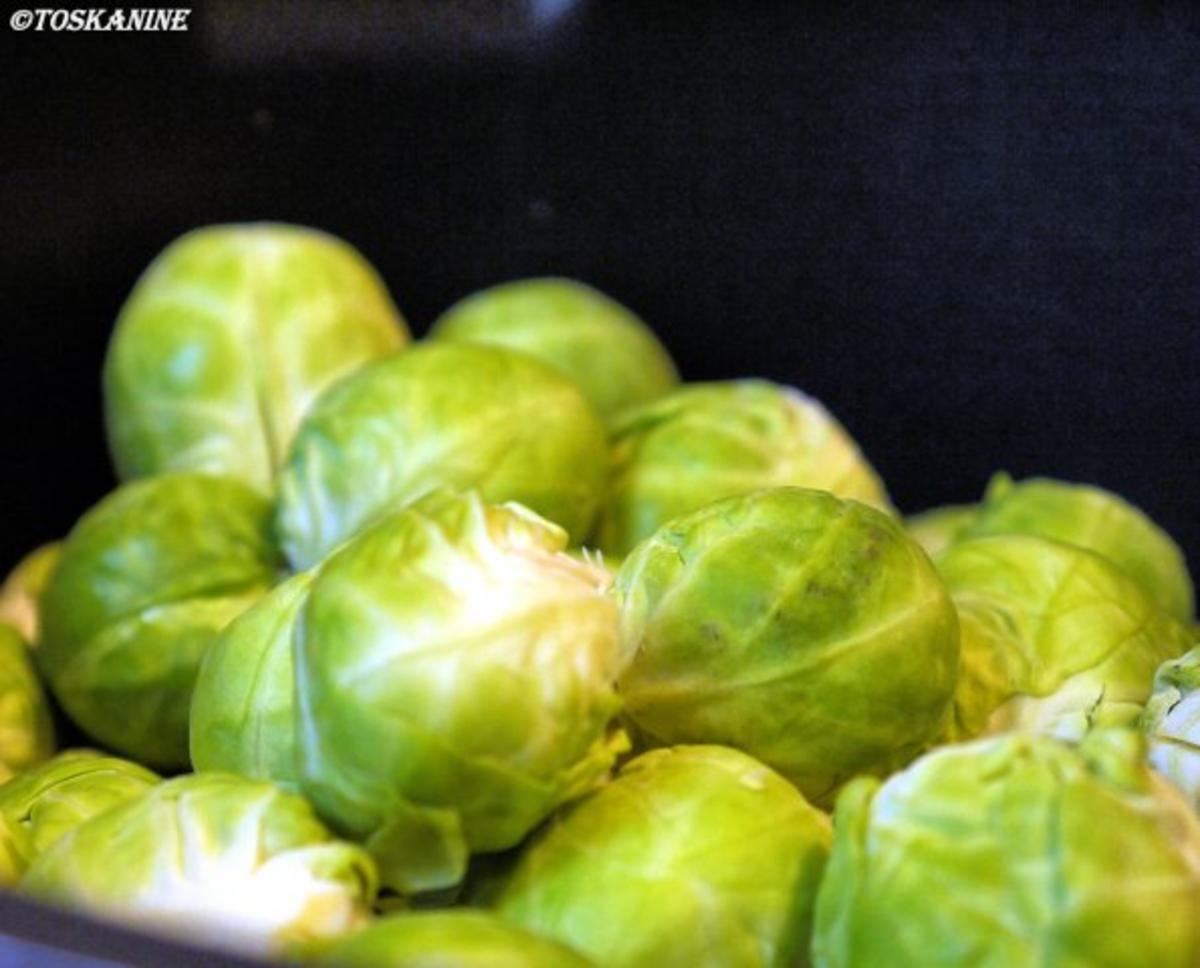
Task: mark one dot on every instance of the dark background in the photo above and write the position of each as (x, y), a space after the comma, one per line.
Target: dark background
(973, 229)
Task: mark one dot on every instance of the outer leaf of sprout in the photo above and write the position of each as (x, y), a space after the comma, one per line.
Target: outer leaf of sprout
(46, 801)
(709, 441)
(811, 632)
(1094, 519)
(243, 709)
(22, 590)
(226, 341)
(1172, 723)
(692, 856)
(1014, 850)
(443, 939)
(147, 580)
(938, 528)
(1054, 638)
(452, 415)
(591, 339)
(26, 726)
(455, 675)
(232, 862)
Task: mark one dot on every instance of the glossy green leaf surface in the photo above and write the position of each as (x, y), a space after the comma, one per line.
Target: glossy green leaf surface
(148, 579)
(593, 340)
(708, 441)
(451, 415)
(693, 856)
(217, 858)
(811, 632)
(228, 338)
(455, 675)
(1014, 850)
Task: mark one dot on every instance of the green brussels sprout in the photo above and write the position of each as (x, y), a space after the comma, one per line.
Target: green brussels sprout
(455, 678)
(811, 632)
(26, 725)
(1172, 723)
(605, 349)
(147, 580)
(709, 441)
(228, 338)
(443, 939)
(43, 803)
(243, 716)
(1055, 638)
(442, 415)
(215, 857)
(1013, 850)
(938, 528)
(1094, 519)
(691, 856)
(22, 589)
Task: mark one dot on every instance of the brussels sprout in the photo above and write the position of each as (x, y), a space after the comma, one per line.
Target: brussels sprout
(217, 857)
(808, 631)
(443, 415)
(43, 803)
(22, 589)
(26, 726)
(1172, 722)
(938, 528)
(1014, 850)
(455, 684)
(147, 580)
(243, 717)
(692, 856)
(605, 349)
(715, 440)
(444, 939)
(227, 339)
(1094, 519)
(1054, 638)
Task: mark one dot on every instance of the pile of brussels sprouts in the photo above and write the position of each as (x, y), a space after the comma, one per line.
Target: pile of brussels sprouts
(506, 649)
